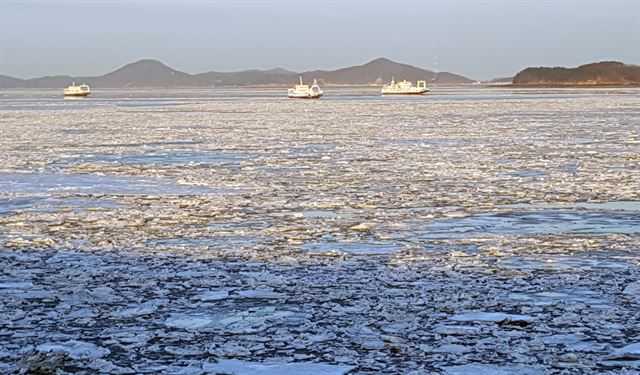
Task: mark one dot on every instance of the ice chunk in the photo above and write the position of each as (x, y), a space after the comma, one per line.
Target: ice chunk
(259, 294)
(213, 295)
(632, 288)
(106, 367)
(238, 367)
(451, 348)
(491, 317)
(361, 227)
(134, 311)
(629, 351)
(75, 349)
(44, 183)
(251, 321)
(189, 322)
(481, 369)
(456, 330)
(16, 285)
(248, 321)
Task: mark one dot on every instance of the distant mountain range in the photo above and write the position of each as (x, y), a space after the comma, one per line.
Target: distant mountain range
(602, 73)
(382, 70)
(152, 73)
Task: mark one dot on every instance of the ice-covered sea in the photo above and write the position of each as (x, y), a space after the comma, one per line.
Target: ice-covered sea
(468, 231)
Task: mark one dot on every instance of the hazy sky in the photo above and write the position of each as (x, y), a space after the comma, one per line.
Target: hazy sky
(478, 39)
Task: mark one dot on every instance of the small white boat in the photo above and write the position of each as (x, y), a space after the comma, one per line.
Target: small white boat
(404, 88)
(73, 90)
(303, 91)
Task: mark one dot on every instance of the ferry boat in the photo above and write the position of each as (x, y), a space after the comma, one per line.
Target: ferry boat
(73, 90)
(404, 88)
(303, 91)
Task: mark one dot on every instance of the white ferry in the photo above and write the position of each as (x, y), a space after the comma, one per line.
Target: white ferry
(73, 90)
(303, 91)
(404, 88)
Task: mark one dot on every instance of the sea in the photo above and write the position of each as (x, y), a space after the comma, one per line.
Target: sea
(472, 230)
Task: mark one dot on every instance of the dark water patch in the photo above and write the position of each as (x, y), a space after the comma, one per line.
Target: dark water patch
(58, 183)
(154, 103)
(282, 170)
(548, 221)
(584, 262)
(52, 204)
(569, 168)
(78, 131)
(57, 102)
(429, 142)
(594, 206)
(146, 144)
(215, 241)
(360, 248)
(552, 297)
(158, 158)
(622, 170)
(228, 225)
(314, 149)
(466, 249)
(526, 173)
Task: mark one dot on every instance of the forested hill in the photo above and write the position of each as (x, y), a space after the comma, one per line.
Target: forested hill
(601, 73)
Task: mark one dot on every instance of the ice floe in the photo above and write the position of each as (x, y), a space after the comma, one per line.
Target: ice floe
(75, 349)
(479, 316)
(237, 367)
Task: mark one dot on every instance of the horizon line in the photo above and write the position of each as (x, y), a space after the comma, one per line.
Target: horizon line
(230, 71)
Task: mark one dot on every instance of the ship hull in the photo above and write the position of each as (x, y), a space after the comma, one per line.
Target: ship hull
(81, 94)
(406, 93)
(305, 96)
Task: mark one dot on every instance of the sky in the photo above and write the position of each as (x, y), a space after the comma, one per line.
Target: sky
(477, 39)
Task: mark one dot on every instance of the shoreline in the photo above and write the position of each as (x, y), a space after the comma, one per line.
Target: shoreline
(464, 85)
(566, 85)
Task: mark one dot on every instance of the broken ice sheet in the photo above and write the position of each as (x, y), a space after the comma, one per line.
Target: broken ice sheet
(443, 232)
(480, 316)
(452, 348)
(259, 294)
(238, 367)
(534, 222)
(190, 322)
(75, 349)
(628, 351)
(487, 369)
(361, 248)
(134, 311)
(247, 321)
(39, 183)
(13, 285)
(213, 295)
